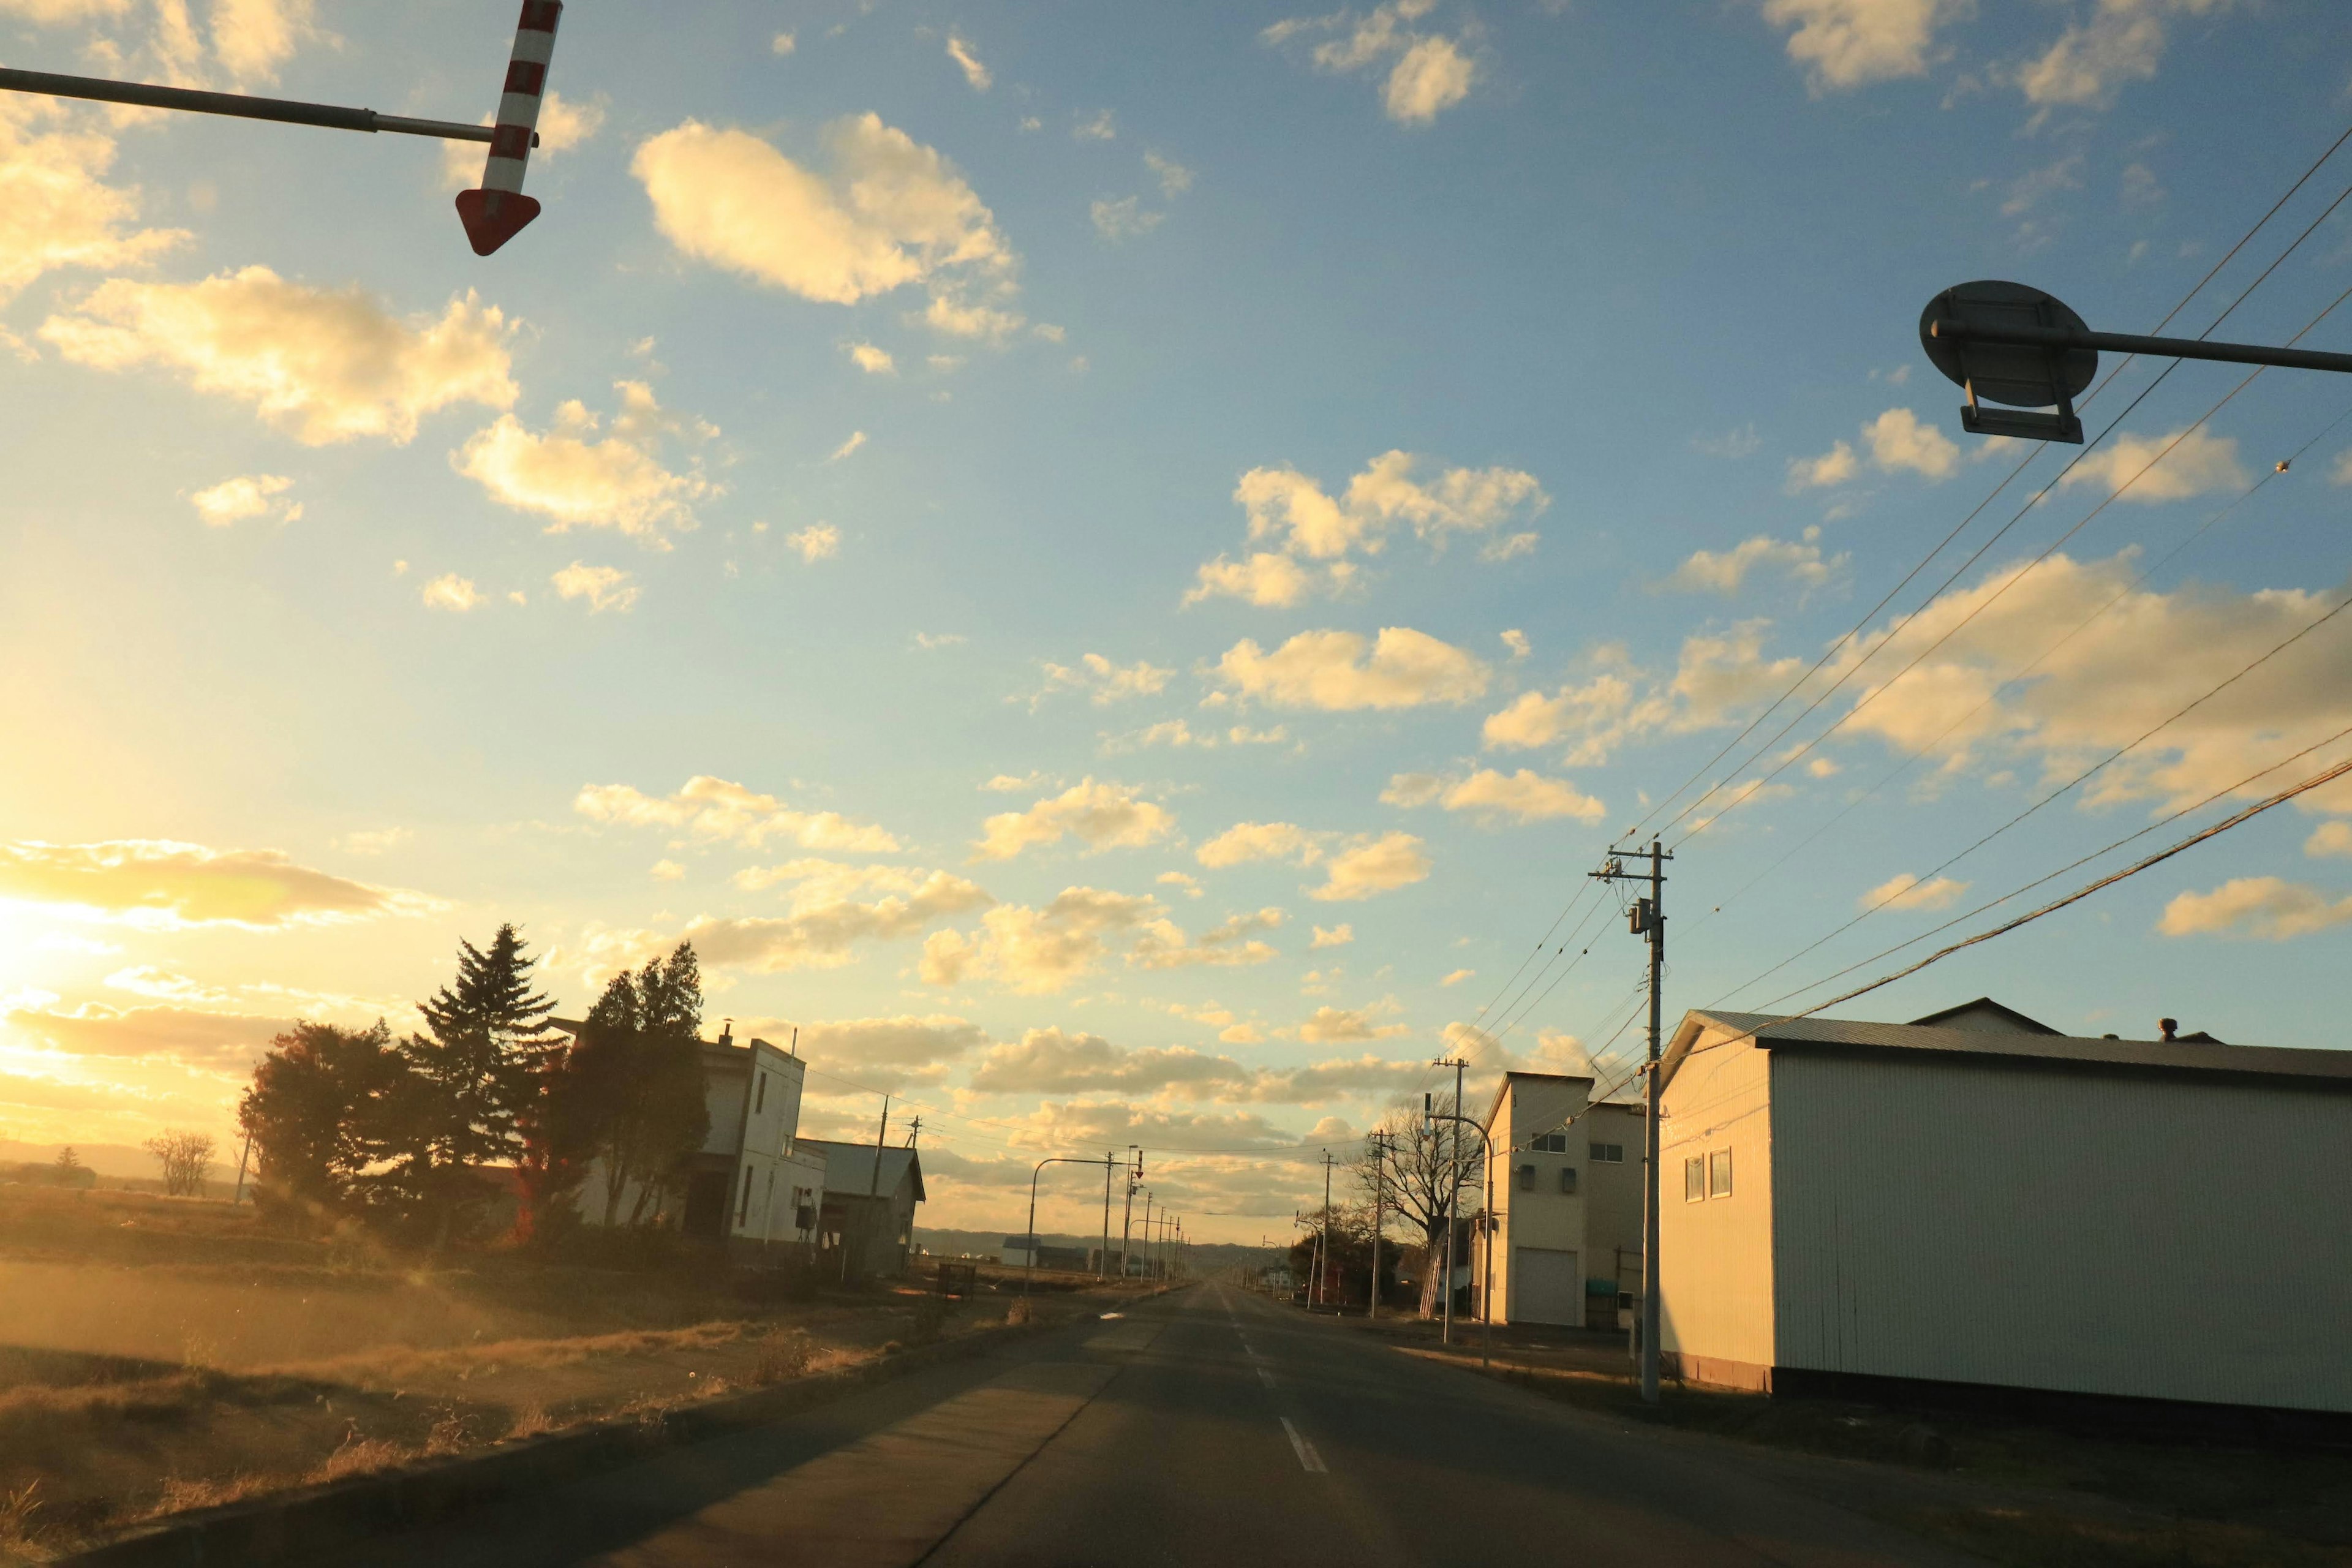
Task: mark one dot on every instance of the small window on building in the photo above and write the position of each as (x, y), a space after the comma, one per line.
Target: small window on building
(1718, 1174)
(1694, 1181)
(1527, 1178)
(1567, 1178)
(1609, 1153)
(1551, 1143)
(760, 1097)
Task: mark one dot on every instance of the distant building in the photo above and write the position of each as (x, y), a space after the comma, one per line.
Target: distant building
(1566, 1179)
(1974, 1198)
(755, 1184)
(865, 1229)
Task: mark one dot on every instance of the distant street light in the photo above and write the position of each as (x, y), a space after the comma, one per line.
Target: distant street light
(2014, 345)
(491, 214)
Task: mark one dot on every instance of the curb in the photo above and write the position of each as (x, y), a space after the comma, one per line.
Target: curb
(310, 1521)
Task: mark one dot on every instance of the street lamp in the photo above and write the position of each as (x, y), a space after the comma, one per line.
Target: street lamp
(2017, 346)
(1030, 1271)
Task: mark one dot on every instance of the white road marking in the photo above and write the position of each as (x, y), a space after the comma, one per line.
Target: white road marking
(1264, 1377)
(1308, 1459)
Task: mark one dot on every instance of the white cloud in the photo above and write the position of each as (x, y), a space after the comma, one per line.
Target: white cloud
(785, 44)
(1517, 641)
(1175, 179)
(1905, 891)
(969, 63)
(1104, 816)
(826, 923)
(2267, 908)
(1834, 466)
(1007, 784)
(1458, 976)
(1849, 43)
(253, 37)
(931, 642)
(1190, 885)
(2329, 838)
(961, 318)
(55, 210)
(818, 542)
(715, 808)
(1724, 571)
(578, 479)
(1428, 73)
(604, 587)
(1265, 579)
(1037, 952)
(325, 365)
(1228, 943)
(1335, 671)
(1124, 218)
(1898, 440)
(1246, 841)
(248, 495)
(1494, 797)
(160, 884)
(666, 871)
(892, 213)
(451, 592)
(1373, 867)
(1338, 936)
(2200, 463)
(871, 359)
(373, 841)
(1096, 127)
(1342, 1026)
(1717, 675)
(856, 439)
(1103, 681)
(2090, 63)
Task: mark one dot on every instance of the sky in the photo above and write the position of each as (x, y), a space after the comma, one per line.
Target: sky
(1116, 567)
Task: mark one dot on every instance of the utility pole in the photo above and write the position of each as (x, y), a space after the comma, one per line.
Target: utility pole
(1147, 1233)
(1648, 919)
(1102, 1258)
(1453, 1191)
(1323, 1238)
(1379, 1142)
(1126, 1220)
(879, 1134)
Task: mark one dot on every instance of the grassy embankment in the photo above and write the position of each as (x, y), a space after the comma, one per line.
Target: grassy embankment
(2033, 1493)
(160, 1354)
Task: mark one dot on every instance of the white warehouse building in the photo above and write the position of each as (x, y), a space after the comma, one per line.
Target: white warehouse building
(1564, 1182)
(1974, 1198)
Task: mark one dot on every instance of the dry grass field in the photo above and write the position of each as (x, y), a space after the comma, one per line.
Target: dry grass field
(158, 1354)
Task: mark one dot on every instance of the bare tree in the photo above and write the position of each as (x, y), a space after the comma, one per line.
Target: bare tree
(187, 1160)
(1418, 1169)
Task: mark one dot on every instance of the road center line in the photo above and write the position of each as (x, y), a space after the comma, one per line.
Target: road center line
(1308, 1459)
(1264, 1377)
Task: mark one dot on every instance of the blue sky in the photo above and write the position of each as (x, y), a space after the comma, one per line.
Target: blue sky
(1327, 470)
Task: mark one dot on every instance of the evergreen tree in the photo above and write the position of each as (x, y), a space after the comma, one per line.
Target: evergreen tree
(320, 1113)
(478, 1075)
(629, 1093)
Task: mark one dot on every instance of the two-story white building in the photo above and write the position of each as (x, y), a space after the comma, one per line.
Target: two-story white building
(1563, 1236)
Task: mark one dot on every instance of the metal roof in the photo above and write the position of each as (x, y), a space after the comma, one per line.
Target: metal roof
(1773, 1032)
(849, 1168)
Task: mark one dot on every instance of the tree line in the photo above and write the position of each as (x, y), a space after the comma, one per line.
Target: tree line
(1407, 1181)
(401, 1135)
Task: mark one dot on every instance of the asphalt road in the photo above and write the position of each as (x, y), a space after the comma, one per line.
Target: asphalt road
(1207, 1428)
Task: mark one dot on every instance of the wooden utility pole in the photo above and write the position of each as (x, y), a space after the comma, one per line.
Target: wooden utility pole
(1377, 1142)
(1648, 919)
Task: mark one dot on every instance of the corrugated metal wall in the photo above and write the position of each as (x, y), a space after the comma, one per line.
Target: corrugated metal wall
(2103, 1232)
(1715, 1256)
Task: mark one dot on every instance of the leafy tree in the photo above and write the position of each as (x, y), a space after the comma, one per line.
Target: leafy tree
(1419, 1168)
(629, 1092)
(478, 1079)
(318, 1112)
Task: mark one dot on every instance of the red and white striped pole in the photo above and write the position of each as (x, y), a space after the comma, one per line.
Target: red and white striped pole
(496, 212)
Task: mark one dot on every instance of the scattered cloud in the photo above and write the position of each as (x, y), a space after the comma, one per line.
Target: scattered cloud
(2091, 62)
(1428, 73)
(1338, 936)
(56, 209)
(1906, 891)
(1717, 675)
(1304, 535)
(248, 496)
(1096, 127)
(1345, 1026)
(1845, 43)
(1733, 445)
(2199, 464)
(666, 871)
(1338, 672)
(562, 126)
(871, 359)
(1104, 816)
(892, 213)
(931, 642)
(2269, 909)
(604, 587)
(1834, 466)
(1371, 866)
(1103, 681)
(1517, 641)
(1898, 440)
(1458, 976)
(1124, 218)
(2329, 838)
(1231, 942)
(822, 542)
(1247, 841)
(160, 884)
(451, 592)
(576, 479)
(717, 810)
(969, 63)
(1190, 885)
(1726, 572)
(1175, 179)
(324, 366)
(856, 439)
(784, 43)
(1495, 797)
(1036, 952)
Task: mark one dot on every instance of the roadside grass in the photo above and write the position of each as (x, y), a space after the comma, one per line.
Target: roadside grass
(2091, 1494)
